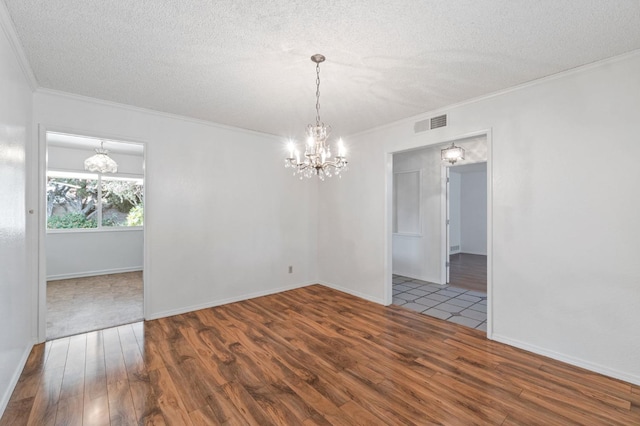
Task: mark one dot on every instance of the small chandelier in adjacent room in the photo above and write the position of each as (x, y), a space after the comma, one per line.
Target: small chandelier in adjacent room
(100, 162)
(452, 154)
(317, 155)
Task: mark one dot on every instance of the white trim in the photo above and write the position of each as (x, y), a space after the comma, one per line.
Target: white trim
(387, 266)
(578, 362)
(444, 228)
(99, 230)
(93, 273)
(83, 172)
(471, 252)
(388, 225)
(41, 228)
(406, 234)
(214, 303)
(169, 115)
(489, 142)
(354, 293)
(40, 294)
(14, 379)
(445, 109)
(14, 41)
(416, 277)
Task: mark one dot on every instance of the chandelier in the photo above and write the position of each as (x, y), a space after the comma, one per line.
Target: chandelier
(100, 162)
(317, 155)
(452, 154)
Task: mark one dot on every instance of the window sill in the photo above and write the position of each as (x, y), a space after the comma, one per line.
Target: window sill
(94, 230)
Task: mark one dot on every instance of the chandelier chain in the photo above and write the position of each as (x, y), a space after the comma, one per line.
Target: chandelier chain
(317, 94)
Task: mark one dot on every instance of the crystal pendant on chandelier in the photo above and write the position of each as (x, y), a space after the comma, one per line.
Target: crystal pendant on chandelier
(100, 162)
(317, 158)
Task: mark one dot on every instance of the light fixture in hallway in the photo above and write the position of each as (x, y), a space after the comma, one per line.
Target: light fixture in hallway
(317, 156)
(452, 153)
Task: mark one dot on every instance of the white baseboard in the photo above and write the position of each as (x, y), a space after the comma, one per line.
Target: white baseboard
(414, 277)
(610, 372)
(220, 302)
(472, 252)
(352, 292)
(14, 379)
(83, 274)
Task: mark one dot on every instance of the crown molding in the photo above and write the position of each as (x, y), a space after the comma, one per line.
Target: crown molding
(448, 108)
(127, 107)
(10, 31)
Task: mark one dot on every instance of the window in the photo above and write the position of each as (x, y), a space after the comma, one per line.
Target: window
(121, 201)
(81, 201)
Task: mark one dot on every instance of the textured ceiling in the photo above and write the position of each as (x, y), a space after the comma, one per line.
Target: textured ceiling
(246, 63)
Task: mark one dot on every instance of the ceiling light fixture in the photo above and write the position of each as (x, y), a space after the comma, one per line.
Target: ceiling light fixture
(452, 154)
(100, 162)
(317, 155)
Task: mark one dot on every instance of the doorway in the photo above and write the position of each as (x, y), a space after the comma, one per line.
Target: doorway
(93, 235)
(466, 222)
(418, 258)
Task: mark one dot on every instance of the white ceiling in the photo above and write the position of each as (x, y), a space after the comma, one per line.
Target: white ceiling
(246, 63)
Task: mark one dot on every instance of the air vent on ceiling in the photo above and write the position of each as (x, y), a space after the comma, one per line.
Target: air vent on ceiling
(430, 123)
(439, 121)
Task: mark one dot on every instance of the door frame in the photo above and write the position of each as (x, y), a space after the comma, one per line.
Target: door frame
(40, 275)
(446, 216)
(388, 259)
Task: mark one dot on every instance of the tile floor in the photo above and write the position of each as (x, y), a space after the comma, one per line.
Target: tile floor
(78, 305)
(465, 307)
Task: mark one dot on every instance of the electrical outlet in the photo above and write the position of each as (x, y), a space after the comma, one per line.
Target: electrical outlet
(291, 269)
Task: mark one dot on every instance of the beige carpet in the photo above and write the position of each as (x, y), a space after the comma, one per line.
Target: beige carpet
(79, 305)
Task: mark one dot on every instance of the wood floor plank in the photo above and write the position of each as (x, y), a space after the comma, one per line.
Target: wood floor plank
(70, 411)
(169, 401)
(45, 404)
(27, 385)
(121, 409)
(96, 411)
(95, 380)
(74, 371)
(310, 356)
(17, 412)
(145, 401)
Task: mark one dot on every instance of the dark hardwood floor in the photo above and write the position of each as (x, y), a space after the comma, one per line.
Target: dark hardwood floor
(303, 357)
(468, 271)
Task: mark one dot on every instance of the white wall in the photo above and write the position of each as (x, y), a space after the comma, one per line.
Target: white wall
(223, 218)
(420, 256)
(93, 252)
(565, 277)
(83, 253)
(473, 213)
(15, 292)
